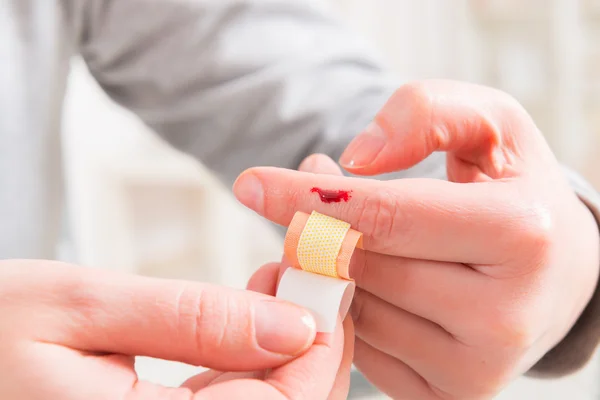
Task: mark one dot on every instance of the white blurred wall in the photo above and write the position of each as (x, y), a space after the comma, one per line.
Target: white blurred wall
(542, 52)
(139, 206)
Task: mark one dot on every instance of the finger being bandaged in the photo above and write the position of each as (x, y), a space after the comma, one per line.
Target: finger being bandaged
(319, 248)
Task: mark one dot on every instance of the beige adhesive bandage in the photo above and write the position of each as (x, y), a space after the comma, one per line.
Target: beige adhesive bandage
(319, 248)
(321, 244)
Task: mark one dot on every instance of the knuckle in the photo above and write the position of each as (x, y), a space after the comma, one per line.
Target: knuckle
(512, 110)
(514, 105)
(75, 294)
(416, 99)
(504, 99)
(510, 330)
(380, 216)
(535, 234)
(212, 321)
(416, 93)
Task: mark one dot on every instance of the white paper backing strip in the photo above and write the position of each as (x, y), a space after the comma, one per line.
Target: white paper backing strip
(325, 297)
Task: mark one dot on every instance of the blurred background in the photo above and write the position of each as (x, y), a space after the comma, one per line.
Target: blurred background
(137, 205)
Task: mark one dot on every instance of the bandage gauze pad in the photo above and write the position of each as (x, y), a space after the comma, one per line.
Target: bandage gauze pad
(319, 248)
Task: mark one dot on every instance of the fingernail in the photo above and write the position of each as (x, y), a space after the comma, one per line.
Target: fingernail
(365, 148)
(249, 191)
(283, 328)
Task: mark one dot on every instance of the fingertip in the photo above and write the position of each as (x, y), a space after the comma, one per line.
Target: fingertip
(311, 376)
(284, 328)
(249, 190)
(265, 279)
(330, 339)
(364, 150)
(320, 164)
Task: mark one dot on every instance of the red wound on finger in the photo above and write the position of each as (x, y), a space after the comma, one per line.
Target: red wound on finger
(331, 196)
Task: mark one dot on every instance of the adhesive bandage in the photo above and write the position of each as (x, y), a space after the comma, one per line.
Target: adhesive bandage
(319, 249)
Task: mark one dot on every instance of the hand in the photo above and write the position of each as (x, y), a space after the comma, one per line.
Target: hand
(463, 285)
(72, 333)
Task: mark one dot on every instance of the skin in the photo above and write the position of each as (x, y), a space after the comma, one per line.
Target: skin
(265, 280)
(72, 333)
(463, 285)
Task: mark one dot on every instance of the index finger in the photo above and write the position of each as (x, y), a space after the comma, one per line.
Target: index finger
(472, 223)
(190, 322)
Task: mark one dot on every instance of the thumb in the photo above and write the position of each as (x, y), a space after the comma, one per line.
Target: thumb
(194, 323)
(485, 131)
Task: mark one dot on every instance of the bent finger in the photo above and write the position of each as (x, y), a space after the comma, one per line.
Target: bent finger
(265, 279)
(391, 376)
(424, 288)
(396, 332)
(482, 126)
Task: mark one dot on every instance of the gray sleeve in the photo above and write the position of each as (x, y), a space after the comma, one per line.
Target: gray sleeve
(238, 83)
(241, 83)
